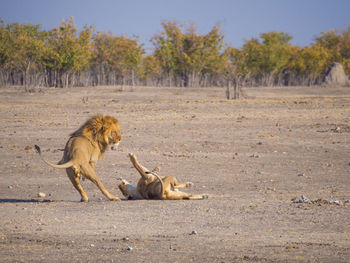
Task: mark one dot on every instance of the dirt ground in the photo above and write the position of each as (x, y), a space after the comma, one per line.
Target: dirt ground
(254, 157)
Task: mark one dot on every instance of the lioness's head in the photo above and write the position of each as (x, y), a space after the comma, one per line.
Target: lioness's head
(128, 190)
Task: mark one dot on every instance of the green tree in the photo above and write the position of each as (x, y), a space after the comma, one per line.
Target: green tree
(187, 54)
(252, 55)
(235, 71)
(337, 44)
(269, 58)
(152, 69)
(310, 64)
(164, 57)
(4, 44)
(69, 53)
(23, 49)
(116, 57)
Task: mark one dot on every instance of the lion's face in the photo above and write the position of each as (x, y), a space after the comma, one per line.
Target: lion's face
(112, 132)
(114, 139)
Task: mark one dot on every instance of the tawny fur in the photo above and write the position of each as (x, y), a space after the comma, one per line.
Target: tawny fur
(84, 148)
(151, 186)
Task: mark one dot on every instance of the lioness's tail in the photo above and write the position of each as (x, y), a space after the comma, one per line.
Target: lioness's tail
(161, 184)
(60, 166)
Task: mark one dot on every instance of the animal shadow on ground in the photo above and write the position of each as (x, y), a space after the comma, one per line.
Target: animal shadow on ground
(13, 200)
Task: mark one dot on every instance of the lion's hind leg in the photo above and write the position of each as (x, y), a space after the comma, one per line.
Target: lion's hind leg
(75, 179)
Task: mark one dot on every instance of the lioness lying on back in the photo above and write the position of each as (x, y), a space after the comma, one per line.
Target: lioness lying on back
(151, 186)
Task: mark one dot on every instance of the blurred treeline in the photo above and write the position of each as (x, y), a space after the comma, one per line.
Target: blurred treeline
(64, 56)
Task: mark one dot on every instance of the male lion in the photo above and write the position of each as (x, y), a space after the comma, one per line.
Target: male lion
(84, 148)
(151, 186)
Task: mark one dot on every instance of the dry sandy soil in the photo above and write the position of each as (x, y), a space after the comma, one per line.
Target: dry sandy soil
(255, 157)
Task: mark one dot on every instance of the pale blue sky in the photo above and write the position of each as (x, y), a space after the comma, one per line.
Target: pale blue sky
(241, 19)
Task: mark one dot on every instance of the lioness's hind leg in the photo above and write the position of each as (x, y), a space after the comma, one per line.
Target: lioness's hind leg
(183, 185)
(174, 183)
(198, 197)
(76, 183)
(177, 195)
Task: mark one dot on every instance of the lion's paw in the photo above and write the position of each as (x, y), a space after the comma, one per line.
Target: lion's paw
(114, 198)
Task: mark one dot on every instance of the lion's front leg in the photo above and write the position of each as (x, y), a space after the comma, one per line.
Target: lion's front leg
(90, 174)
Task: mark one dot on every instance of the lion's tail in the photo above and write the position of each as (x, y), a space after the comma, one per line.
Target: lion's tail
(161, 185)
(60, 166)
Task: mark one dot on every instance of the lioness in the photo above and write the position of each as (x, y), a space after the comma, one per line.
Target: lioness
(84, 148)
(151, 186)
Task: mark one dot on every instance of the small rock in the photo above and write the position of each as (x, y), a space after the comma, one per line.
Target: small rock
(129, 248)
(325, 165)
(194, 232)
(254, 155)
(41, 194)
(125, 238)
(85, 99)
(336, 202)
(301, 174)
(303, 199)
(10, 187)
(92, 245)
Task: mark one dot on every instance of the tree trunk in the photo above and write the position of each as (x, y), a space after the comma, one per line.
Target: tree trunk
(235, 89)
(26, 75)
(228, 89)
(133, 79)
(123, 82)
